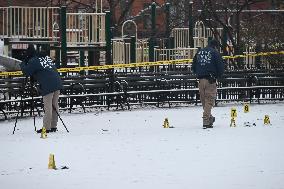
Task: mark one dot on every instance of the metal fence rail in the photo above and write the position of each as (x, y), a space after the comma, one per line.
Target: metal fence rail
(174, 54)
(138, 88)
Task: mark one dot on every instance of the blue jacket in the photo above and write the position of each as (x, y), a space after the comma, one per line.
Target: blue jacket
(43, 70)
(206, 62)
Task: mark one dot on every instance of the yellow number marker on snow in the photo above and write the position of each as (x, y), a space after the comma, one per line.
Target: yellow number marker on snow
(233, 113)
(246, 108)
(43, 133)
(266, 120)
(166, 123)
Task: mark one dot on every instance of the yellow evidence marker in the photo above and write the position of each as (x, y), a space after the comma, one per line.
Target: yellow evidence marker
(43, 133)
(233, 112)
(166, 123)
(246, 108)
(266, 120)
(51, 162)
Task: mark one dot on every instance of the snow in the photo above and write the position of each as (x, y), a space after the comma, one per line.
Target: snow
(131, 149)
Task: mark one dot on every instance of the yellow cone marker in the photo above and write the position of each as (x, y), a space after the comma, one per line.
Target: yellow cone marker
(266, 120)
(51, 162)
(246, 108)
(166, 123)
(43, 133)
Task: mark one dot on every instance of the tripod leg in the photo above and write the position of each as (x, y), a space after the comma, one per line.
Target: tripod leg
(16, 121)
(33, 111)
(60, 118)
(34, 123)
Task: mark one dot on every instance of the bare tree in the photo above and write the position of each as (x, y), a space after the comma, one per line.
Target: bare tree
(119, 12)
(227, 14)
(179, 13)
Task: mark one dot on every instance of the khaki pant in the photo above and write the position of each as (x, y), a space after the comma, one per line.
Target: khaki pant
(50, 117)
(207, 93)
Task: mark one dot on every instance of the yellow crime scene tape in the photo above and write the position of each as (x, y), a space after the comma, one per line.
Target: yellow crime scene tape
(143, 64)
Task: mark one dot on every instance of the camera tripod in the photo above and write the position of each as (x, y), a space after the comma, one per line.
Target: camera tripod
(24, 92)
(32, 89)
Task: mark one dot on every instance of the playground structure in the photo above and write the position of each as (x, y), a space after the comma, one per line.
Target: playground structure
(54, 27)
(80, 39)
(106, 75)
(79, 35)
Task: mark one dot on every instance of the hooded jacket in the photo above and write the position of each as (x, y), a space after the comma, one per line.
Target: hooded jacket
(208, 62)
(43, 70)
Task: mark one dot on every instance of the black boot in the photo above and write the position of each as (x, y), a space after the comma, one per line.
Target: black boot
(207, 126)
(53, 130)
(40, 130)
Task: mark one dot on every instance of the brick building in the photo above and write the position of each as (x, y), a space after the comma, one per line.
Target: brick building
(143, 21)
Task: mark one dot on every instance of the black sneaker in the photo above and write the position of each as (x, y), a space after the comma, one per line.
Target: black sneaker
(53, 130)
(207, 126)
(40, 130)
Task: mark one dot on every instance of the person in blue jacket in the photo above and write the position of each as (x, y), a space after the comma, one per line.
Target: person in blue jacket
(208, 66)
(42, 69)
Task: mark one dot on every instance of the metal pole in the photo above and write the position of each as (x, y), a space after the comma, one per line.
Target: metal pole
(153, 18)
(57, 57)
(108, 38)
(190, 25)
(153, 32)
(167, 11)
(63, 36)
(133, 49)
(90, 58)
(82, 63)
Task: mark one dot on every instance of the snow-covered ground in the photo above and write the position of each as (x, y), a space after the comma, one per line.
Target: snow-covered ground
(132, 150)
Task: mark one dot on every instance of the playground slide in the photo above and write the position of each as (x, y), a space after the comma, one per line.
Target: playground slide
(10, 64)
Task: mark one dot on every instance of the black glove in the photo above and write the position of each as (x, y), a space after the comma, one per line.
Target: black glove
(212, 79)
